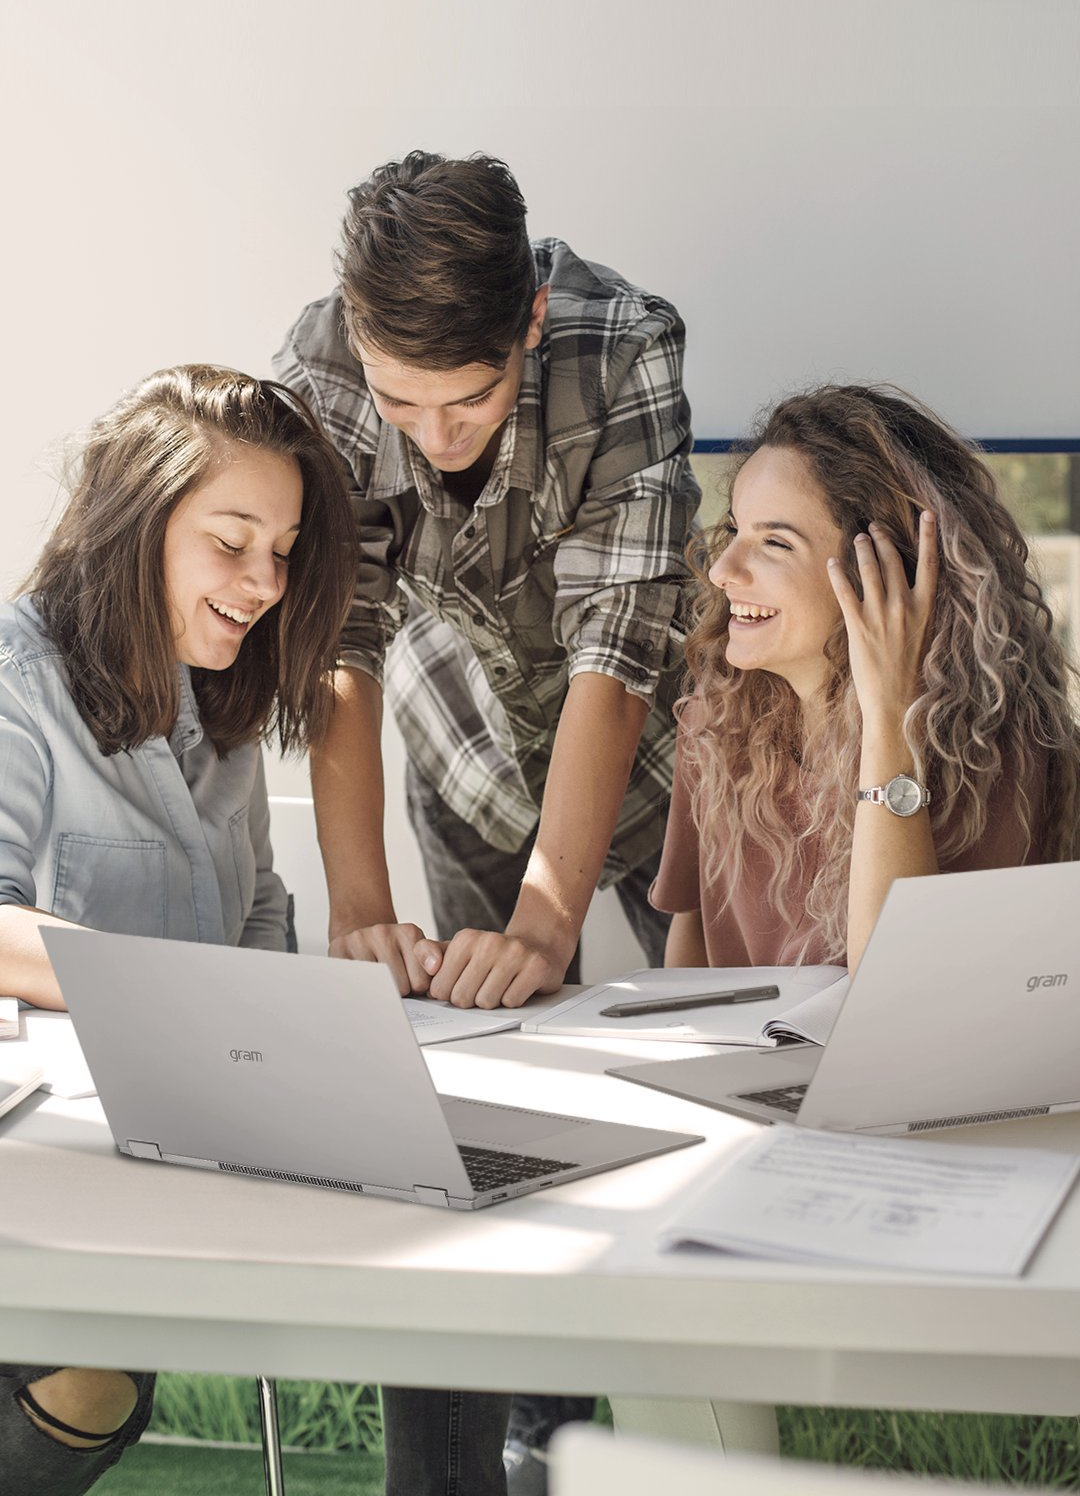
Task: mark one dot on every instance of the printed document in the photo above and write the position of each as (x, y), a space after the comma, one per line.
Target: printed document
(896, 1203)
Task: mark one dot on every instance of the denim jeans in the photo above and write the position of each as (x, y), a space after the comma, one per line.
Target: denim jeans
(444, 1443)
(33, 1463)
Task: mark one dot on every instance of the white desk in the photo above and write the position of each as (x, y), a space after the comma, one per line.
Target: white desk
(104, 1260)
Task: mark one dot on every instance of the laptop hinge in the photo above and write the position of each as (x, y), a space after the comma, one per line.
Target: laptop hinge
(427, 1194)
(143, 1150)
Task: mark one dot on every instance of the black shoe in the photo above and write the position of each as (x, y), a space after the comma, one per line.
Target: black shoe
(533, 1420)
(526, 1469)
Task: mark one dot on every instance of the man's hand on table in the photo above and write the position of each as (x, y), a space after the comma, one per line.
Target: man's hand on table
(481, 969)
(395, 945)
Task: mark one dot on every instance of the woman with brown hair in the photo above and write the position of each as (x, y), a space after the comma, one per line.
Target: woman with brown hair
(186, 606)
(877, 692)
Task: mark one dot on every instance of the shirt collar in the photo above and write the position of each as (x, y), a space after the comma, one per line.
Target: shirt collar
(526, 465)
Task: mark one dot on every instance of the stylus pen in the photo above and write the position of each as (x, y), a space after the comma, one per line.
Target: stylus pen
(677, 1004)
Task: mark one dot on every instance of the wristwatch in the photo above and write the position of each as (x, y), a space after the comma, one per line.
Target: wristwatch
(902, 795)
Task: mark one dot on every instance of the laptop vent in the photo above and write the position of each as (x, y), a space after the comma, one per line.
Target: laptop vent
(1020, 1111)
(326, 1184)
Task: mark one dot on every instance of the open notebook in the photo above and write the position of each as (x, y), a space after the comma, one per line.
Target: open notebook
(809, 999)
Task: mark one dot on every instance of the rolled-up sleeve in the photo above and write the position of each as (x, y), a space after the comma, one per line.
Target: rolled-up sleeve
(25, 782)
(265, 926)
(621, 569)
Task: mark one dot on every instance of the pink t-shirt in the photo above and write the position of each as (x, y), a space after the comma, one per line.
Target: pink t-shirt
(748, 931)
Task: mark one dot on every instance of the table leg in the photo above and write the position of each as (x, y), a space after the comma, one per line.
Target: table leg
(271, 1440)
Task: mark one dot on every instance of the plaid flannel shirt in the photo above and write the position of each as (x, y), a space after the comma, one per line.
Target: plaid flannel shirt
(571, 560)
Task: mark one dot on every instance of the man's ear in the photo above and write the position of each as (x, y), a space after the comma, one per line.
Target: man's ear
(536, 319)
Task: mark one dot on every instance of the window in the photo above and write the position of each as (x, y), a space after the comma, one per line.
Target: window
(1040, 488)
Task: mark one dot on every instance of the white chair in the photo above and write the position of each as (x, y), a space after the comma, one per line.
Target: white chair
(726, 1427)
(586, 1461)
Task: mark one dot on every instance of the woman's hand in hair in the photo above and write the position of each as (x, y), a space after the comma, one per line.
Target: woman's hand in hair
(887, 629)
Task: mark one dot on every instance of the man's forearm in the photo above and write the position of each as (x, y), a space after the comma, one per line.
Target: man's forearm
(594, 751)
(347, 784)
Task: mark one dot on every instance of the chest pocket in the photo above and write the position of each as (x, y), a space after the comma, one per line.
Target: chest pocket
(118, 886)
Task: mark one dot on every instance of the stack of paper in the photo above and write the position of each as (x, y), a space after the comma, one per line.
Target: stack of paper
(51, 1041)
(903, 1203)
(9, 1017)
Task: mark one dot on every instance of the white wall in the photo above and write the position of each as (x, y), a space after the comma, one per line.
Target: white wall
(843, 187)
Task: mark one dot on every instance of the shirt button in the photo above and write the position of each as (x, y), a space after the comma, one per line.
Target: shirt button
(499, 670)
(478, 619)
(469, 532)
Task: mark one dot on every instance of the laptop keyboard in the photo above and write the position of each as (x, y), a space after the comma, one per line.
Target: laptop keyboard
(489, 1169)
(783, 1098)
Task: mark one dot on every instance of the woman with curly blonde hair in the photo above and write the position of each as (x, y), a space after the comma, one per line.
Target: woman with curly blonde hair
(877, 692)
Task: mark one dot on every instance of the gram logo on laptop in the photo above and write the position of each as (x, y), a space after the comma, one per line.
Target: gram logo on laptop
(936, 1030)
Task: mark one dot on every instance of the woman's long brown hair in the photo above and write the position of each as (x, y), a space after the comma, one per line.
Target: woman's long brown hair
(100, 585)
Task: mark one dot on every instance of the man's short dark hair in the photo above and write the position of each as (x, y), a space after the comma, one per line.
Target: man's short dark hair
(435, 266)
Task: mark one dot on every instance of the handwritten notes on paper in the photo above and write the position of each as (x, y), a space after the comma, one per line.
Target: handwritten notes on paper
(899, 1203)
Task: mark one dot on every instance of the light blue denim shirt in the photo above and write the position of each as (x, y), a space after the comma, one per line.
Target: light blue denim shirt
(166, 840)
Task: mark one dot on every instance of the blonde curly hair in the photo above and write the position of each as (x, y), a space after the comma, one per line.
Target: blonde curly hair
(994, 709)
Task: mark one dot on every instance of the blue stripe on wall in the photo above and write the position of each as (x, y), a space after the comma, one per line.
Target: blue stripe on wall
(989, 444)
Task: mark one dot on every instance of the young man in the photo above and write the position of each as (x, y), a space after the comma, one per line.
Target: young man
(514, 426)
(515, 429)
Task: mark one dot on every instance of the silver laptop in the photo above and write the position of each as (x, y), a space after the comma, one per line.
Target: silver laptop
(302, 1068)
(965, 1008)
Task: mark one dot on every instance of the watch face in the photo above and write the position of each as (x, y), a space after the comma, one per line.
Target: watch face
(903, 795)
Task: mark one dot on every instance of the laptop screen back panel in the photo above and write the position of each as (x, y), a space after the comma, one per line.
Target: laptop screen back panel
(310, 1069)
(965, 1007)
